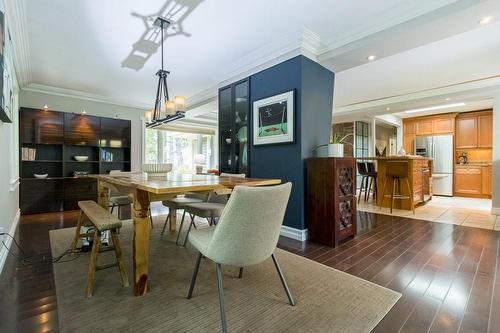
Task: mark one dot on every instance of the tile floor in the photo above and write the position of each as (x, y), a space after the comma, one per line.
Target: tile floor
(468, 212)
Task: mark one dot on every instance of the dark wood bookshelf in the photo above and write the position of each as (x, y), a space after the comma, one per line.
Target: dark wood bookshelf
(58, 137)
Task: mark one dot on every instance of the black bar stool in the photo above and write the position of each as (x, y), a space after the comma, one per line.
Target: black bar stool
(397, 171)
(368, 179)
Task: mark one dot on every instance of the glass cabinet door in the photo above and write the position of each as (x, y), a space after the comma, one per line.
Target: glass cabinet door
(240, 115)
(225, 130)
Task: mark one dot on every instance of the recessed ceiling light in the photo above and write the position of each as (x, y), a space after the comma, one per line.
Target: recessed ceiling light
(388, 109)
(486, 20)
(447, 99)
(436, 107)
(371, 57)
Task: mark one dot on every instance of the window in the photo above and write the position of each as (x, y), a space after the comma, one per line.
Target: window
(184, 150)
(362, 143)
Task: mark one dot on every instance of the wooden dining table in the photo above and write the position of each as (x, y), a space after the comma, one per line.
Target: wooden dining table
(147, 189)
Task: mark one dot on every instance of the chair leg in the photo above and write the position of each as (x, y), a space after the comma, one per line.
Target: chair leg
(361, 188)
(92, 264)
(180, 229)
(189, 229)
(393, 192)
(165, 224)
(383, 194)
(220, 289)
(77, 232)
(375, 189)
(282, 278)
(195, 274)
(112, 208)
(151, 218)
(411, 196)
(240, 274)
(369, 181)
(119, 259)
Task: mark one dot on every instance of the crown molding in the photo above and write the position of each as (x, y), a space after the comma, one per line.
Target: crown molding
(63, 92)
(17, 27)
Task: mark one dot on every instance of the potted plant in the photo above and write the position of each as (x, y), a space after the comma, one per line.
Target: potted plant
(336, 145)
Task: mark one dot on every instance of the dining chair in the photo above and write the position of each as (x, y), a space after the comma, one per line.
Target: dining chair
(246, 235)
(210, 210)
(180, 202)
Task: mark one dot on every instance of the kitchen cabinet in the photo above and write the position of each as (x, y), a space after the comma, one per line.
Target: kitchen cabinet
(409, 143)
(409, 127)
(424, 127)
(466, 136)
(485, 131)
(486, 176)
(468, 180)
(474, 130)
(443, 125)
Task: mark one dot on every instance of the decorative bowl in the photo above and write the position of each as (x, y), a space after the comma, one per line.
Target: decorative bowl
(81, 158)
(45, 175)
(156, 168)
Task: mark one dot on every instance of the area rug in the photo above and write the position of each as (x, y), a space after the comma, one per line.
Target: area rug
(327, 300)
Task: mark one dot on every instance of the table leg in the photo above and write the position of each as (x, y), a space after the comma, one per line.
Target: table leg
(173, 219)
(102, 195)
(141, 241)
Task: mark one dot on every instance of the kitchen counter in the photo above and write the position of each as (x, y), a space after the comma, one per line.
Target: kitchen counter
(419, 176)
(383, 158)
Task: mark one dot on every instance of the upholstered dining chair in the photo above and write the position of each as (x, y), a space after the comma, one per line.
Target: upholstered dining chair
(247, 234)
(180, 202)
(210, 210)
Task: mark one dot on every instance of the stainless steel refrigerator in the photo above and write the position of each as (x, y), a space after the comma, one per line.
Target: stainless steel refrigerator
(440, 149)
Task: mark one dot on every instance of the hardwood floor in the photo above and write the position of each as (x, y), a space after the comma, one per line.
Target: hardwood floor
(446, 273)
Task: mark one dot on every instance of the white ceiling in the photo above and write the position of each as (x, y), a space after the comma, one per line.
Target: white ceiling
(85, 46)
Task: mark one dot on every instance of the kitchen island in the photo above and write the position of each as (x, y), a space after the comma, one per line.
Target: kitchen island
(419, 170)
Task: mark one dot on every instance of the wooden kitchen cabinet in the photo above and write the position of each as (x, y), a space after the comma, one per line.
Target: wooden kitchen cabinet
(486, 176)
(409, 143)
(468, 180)
(424, 127)
(474, 130)
(466, 136)
(409, 127)
(443, 125)
(485, 131)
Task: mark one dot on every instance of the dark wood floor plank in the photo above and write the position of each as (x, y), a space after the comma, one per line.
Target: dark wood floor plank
(443, 271)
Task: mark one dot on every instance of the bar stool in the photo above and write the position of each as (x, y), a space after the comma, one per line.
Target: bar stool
(368, 179)
(397, 171)
(372, 174)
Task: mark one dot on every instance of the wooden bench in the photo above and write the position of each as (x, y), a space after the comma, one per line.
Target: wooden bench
(102, 220)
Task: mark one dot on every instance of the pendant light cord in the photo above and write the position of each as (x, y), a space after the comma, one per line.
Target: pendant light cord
(162, 45)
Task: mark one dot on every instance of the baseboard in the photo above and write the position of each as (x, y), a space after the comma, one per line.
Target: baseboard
(8, 241)
(297, 234)
(495, 210)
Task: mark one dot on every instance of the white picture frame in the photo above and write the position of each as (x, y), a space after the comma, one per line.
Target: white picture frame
(273, 119)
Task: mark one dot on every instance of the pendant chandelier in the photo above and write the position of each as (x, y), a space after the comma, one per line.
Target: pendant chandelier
(165, 110)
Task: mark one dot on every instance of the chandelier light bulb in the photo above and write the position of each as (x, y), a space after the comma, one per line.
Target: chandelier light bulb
(180, 103)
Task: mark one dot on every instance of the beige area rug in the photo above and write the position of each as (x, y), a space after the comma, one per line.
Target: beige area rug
(327, 300)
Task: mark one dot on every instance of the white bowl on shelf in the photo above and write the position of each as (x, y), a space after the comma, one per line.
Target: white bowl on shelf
(157, 168)
(43, 176)
(81, 158)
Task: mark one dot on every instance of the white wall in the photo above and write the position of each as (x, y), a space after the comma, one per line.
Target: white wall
(9, 172)
(36, 100)
(496, 157)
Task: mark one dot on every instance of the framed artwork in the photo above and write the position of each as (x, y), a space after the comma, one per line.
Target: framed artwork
(5, 79)
(273, 119)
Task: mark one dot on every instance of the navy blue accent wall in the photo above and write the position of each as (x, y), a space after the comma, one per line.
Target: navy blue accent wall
(313, 85)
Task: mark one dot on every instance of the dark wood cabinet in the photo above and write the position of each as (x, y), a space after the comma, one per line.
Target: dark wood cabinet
(234, 117)
(81, 129)
(62, 138)
(115, 133)
(41, 127)
(41, 195)
(331, 199)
